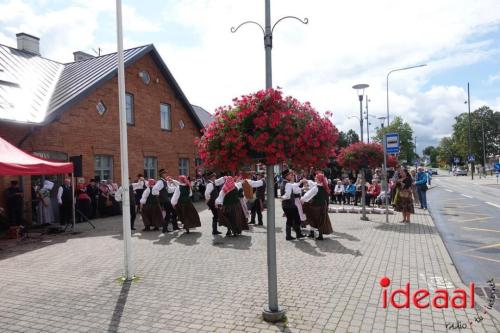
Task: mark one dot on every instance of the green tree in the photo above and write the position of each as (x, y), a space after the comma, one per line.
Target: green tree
(346, 139)
(407, 148)
(447, 151)
(432, 152)
(481, 118)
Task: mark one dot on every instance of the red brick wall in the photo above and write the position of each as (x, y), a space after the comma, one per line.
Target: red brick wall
(82, 131)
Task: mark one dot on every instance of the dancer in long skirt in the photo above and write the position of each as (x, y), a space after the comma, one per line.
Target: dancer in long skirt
(231, 214)
(292, 191)
(151, 210)
(318, 196)
(165, 189)
(183, 205)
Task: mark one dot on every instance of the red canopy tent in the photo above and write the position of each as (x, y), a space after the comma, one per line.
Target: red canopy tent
(15, 162)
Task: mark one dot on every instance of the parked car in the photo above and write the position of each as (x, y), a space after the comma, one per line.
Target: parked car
(433, 171)
(460, 172)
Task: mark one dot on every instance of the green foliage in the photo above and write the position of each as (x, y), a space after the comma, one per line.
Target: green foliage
(347, 139)
(407, 148)
(432, 152)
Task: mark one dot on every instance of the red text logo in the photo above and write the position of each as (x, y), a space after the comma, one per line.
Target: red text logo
(422, 298)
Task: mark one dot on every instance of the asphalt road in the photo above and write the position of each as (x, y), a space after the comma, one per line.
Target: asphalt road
(467, 216)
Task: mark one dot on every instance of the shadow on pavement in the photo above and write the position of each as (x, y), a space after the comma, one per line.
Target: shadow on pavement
(119, 307)
(188, 239)
(242, 242)
(345, 236)
(307, 248)
(407, 228)
(334, 246)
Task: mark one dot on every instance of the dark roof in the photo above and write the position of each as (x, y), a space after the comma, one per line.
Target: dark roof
(76, 80)
(205, 116)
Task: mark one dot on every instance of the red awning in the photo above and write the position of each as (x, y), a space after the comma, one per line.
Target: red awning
(15, 162)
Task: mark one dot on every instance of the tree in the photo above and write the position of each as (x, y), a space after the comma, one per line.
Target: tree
(407, 148)
(482, 117)
(432, 152)
(447, 151)
(346, 139)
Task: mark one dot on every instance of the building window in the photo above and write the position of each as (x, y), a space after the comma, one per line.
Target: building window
(184, 166)
(129, 106)
(165, 117)
(150, 166)
(103, 167)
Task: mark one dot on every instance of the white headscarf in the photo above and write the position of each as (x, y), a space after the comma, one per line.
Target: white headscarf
(48, 185)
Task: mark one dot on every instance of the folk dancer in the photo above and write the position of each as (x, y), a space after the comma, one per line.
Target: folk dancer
(150, 208)
(65, 200)
(211, 193)
(181, 201)
(165, 190)
(317, 213)
(292, 191)
(259, 187)
(231, 213)
(131, 194)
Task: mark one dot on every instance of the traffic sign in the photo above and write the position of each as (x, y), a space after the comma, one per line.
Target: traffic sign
(392, 143)
(497, 167)
(471, 158)
(456, 160)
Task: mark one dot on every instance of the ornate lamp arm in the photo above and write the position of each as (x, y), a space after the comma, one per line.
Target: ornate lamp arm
(304, 21)
(233, 29)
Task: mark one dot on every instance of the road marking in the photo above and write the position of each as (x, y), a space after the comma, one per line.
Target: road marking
(484, 258)
(473, 220)
(490, 230)
(467, 196)
(482, 247)
(492, 204)
(448, 190)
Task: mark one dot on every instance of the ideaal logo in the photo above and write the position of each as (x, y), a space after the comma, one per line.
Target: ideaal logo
(422, 298)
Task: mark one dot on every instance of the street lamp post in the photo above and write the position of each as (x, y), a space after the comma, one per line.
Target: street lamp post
(385, 184)
(272, 312)
(127, 236)
(387, 85)
(468, 135)
(367, 120)
(361, 92)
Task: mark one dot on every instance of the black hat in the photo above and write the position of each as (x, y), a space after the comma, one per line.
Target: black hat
(285, 173)
(162, 171)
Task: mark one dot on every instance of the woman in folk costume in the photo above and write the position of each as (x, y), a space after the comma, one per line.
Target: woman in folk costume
(317, 213)
(183, 205)
(292, 192)
(45, 212)
(151, 211)
(243, 187)
(211, 193)
(231, 213)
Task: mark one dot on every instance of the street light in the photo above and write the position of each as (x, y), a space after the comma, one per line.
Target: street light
(367, 121)
(385, 185)
(469, 157)
(387, 85)
(360, 88)
(273, 312)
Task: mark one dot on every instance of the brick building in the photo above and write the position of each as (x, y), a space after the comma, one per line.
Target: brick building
(57, 111)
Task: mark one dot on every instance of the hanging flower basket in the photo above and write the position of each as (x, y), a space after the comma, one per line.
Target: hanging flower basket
(361, 155)
(269, 128)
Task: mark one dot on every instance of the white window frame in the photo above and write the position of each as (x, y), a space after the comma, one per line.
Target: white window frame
(130, 108)
(165, 127)
(100, 169)
(182, 167)
(150, 167)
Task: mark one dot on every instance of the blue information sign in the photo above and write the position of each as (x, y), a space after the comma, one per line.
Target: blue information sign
(392, 143)
(471, 158)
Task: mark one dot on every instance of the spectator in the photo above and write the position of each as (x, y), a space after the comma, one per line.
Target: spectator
(339, 192)
(404, 202)
(416, 201)
(45, 213)
(93, 193)
(421, 183)
(373, 192)
(349, 192)
(14, 201)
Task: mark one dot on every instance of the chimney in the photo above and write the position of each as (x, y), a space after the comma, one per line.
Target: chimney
(79, 56)
(28, 43)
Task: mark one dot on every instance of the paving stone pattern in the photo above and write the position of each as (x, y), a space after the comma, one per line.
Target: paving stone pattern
(202, 283)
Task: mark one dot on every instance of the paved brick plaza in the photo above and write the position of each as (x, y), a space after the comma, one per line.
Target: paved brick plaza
(195, 283)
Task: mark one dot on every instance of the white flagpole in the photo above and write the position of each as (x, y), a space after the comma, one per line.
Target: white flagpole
(127, 237)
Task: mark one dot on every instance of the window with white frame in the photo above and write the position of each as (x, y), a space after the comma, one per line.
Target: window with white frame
(150, 167)
(184, 166)
(165, 117)
(103, 167)
(129, 106)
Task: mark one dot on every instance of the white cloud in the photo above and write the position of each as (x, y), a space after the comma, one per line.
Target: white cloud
(345, 43)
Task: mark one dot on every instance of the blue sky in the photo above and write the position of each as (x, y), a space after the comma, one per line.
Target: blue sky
(345, 43)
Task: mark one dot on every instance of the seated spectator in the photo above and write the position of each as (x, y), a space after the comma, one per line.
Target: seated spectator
(373, 192)
(349, 192)
(338, 192)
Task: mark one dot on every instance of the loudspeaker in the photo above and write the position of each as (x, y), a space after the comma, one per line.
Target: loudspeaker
(77, 165)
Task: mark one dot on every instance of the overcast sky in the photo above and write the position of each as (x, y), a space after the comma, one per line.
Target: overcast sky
(345, 43)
